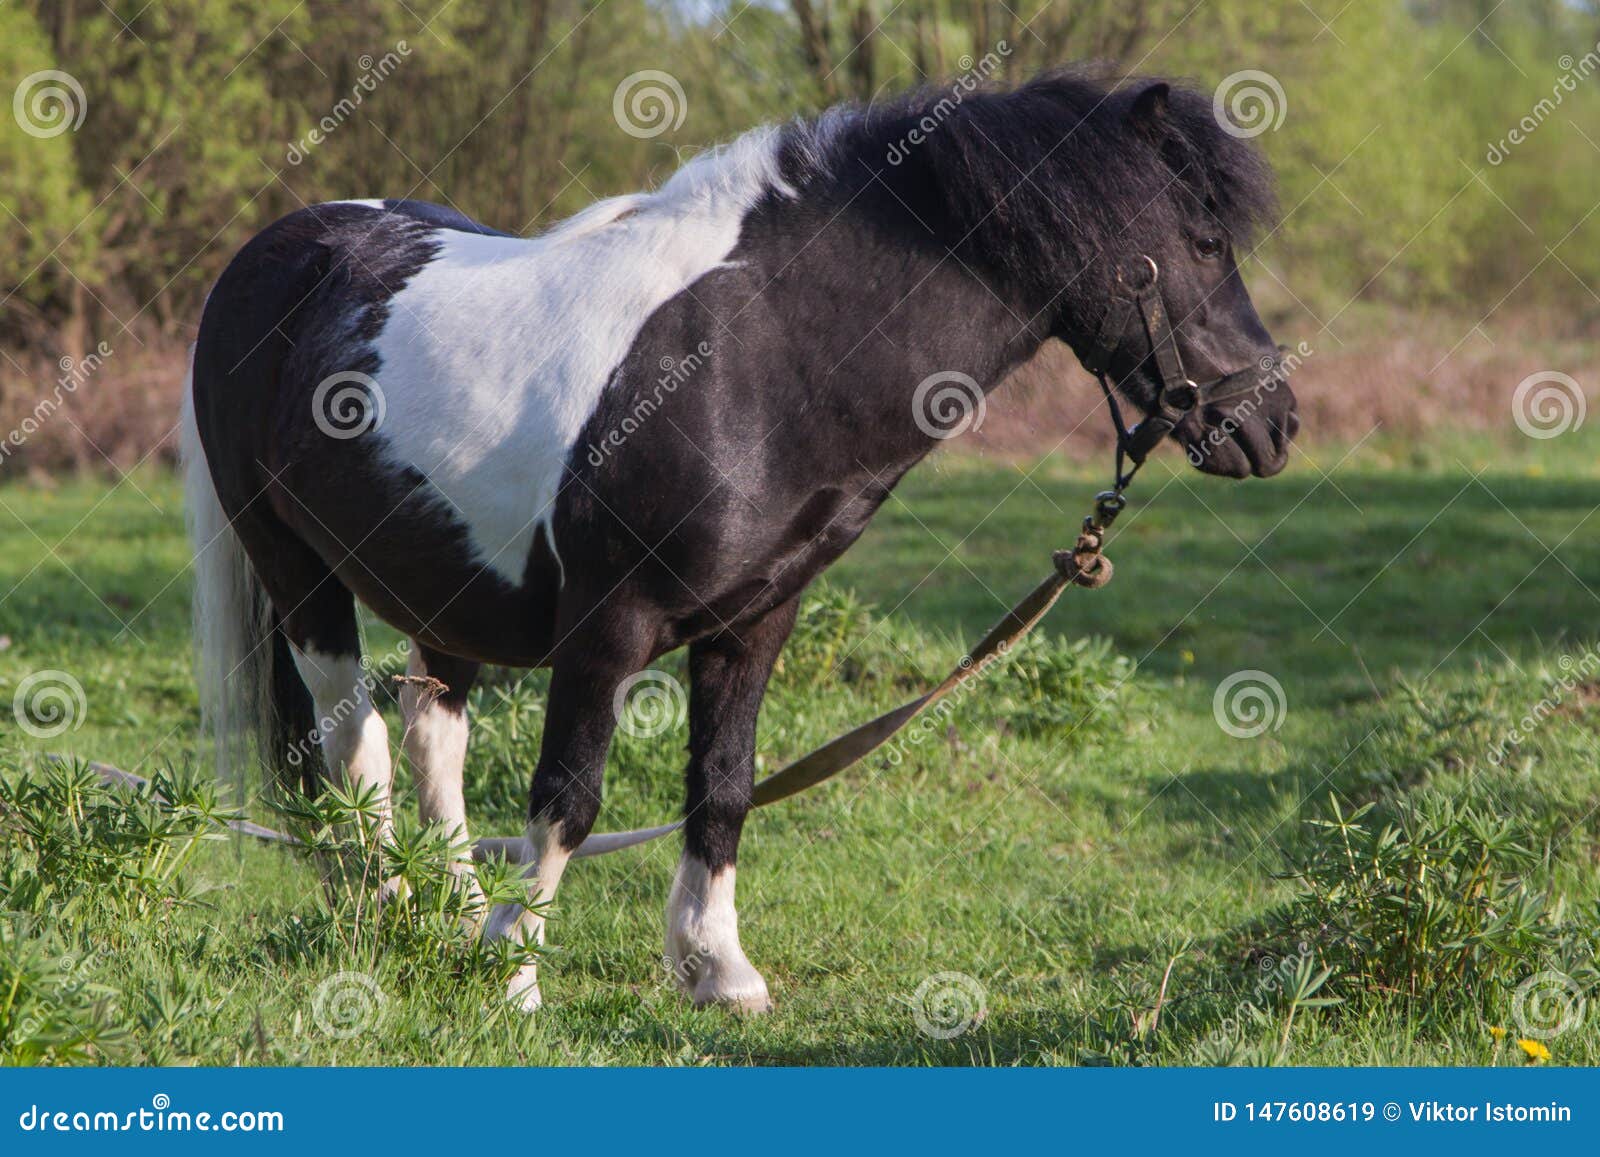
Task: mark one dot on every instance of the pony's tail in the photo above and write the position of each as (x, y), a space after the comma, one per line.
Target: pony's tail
(253, 704)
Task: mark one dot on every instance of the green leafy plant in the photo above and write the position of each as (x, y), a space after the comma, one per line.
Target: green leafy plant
(407, 896)
(507, 722)
(831, 621)
(64, 834)
(1440, 896)
(1051, 686)
(52, 1010)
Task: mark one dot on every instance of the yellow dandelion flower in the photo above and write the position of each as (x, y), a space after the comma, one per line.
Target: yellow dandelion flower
(1536, 1050)
(1497, 1032)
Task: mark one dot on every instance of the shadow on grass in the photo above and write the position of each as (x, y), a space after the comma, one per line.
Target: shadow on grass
(1294, 575)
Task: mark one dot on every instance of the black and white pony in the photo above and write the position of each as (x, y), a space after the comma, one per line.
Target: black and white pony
(654, 424)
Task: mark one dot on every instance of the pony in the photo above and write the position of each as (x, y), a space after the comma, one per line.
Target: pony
(654, 424)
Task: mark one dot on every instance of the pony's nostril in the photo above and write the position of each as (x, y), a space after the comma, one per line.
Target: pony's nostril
(1291, 426)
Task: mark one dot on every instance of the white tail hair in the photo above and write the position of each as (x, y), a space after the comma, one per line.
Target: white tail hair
(232, 616)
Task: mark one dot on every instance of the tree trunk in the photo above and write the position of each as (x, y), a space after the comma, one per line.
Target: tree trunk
(863, 33)
(814, 47)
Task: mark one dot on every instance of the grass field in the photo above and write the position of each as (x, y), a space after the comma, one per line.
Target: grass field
(1116, 877)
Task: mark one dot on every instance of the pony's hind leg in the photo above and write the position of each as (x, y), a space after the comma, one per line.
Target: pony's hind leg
(353, 736)
(314, 614)
(565, 797)
(433, 700)
(325, 644)
(729, 677)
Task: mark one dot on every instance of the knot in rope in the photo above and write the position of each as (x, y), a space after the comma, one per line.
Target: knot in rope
(1084, 565)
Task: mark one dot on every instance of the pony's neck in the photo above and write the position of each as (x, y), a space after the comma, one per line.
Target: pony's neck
(977, 184)
(882, 325)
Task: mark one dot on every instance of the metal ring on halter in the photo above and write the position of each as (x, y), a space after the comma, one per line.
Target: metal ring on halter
(1143, 286)
(1184, 396)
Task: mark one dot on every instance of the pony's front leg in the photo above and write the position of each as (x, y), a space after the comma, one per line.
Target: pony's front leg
(565, 796)
(728, 679)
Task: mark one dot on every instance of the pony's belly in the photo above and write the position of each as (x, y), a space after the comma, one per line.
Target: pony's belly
(416, 574)
(509, 629)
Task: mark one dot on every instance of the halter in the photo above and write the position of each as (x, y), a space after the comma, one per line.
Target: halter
(1178, 393)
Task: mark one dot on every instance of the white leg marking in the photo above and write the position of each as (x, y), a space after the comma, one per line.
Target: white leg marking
(546, 860)
(703, 940)
(354, 738)
(435, 743)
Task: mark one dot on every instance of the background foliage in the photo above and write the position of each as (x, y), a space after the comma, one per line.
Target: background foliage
(504, 108)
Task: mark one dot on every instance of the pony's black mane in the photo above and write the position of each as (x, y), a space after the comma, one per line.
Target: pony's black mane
(1049, 180)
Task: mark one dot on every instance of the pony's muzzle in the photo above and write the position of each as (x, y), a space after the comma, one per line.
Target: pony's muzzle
(1246, 423)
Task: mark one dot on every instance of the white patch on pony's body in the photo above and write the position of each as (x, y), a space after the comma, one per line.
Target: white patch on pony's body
(496, 353)
(546, 861)
(703, 940)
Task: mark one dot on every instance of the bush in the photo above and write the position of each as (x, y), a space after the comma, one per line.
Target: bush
(51, 1010)
(1063, 687)
(402, 898)
(831, 625)
(67, 838)
(1442, 898)
(79, 854)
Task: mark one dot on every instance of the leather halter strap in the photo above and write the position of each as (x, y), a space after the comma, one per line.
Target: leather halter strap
(1177, 395)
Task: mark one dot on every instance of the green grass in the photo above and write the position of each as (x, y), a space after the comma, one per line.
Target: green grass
(1412, 604)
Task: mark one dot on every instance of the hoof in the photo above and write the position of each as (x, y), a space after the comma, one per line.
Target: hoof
(747, 1004)
(523, 993)
(738, 989)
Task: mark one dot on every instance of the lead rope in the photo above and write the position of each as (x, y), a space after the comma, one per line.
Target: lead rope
(1085, 565)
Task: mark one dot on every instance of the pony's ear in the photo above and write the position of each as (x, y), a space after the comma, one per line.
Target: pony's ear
(1149, 111)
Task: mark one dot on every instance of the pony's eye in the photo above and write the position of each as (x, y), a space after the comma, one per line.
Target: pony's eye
(1209, 247)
